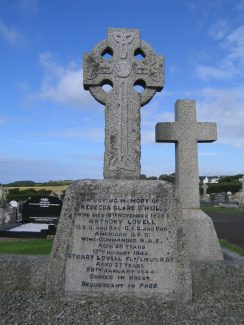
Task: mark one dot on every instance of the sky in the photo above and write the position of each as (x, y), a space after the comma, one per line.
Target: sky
(52, 129)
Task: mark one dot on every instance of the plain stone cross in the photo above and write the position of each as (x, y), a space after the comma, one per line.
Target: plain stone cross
(205, 187)
(242, 181)
(186, 132)
(122, 70)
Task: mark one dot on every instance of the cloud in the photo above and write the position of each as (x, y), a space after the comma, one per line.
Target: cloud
(88, 133)
(10, 34)
(206, 154)
(240, 6)
(234, 43)
(62, 85)
(226, 107)
(3, 120)
(222, 72)
(218, 30)
(232, 62)
(36, 143)
(13, 169)
(29, 5)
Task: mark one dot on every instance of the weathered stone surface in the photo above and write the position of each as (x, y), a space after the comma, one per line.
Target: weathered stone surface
(120, 238)
(122, 71)
(185, 132)
(218, 298)
(202, 241)
(7, 215)
(205, 187)
(23, 272)
(3, 196)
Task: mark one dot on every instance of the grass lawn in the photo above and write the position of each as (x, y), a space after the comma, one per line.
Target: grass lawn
(232, 247)
(220, 209)
(26, 246)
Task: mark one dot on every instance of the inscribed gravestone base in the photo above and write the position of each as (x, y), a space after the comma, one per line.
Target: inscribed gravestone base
(143, 251)
(120, 238)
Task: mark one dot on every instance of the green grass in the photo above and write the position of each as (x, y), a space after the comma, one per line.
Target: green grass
(232, 247)
(58, 188)
(220, 209)
(26, 246)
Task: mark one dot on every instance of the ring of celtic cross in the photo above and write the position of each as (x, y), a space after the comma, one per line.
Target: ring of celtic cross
(114, 62)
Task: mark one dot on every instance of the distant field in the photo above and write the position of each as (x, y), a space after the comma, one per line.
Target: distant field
(58, 188)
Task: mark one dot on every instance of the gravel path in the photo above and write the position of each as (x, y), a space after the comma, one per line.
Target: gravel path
(22, 308)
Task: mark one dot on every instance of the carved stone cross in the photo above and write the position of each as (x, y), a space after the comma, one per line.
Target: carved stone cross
(186, 132)
(122, 71)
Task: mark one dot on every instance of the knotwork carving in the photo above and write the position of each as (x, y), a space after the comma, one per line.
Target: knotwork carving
(122, 71)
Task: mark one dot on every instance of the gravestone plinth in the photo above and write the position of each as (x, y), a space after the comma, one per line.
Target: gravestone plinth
(120, 238)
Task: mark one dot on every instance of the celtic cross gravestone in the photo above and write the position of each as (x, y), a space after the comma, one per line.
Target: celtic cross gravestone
(121, 235)
(122, 71)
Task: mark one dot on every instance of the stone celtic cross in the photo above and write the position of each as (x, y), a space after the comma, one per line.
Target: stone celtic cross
(186, 132)
(122, 70)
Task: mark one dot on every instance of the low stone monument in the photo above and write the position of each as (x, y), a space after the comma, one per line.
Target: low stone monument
(3, 196)
(205, 188)
(241, 197)
(121, 236)
(186, 132)
(205, 197)
(7, 213)
(219, 198)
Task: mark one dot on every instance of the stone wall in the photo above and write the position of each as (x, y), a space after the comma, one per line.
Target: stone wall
(209, 277)
(23, 272)
(28, 273)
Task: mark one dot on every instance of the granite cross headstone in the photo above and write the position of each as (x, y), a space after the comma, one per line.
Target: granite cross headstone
(186, 132)
(123, 71)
